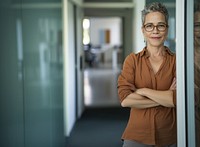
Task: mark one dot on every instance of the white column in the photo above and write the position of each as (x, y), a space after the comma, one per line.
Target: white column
(138, 39)
(180, 62)
(65, 53)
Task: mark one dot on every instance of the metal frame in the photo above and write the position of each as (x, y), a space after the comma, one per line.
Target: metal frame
(185, 73)
(190, 73)
(180, 64)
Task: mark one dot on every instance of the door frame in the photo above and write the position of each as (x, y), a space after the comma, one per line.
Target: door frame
(185, 73)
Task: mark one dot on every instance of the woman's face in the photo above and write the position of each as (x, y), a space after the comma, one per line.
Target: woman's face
(156, 37)
(197, 29)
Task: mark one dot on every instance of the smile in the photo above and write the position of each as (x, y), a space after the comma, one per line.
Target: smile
(155, 37)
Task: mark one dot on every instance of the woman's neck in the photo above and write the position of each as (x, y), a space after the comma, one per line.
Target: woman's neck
(156, 51)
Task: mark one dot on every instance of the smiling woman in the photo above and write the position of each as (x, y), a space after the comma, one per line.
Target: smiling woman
(147, 84)
(155, 20)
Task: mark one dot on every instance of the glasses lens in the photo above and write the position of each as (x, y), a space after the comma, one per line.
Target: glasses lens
(149, 27)
(161, 27)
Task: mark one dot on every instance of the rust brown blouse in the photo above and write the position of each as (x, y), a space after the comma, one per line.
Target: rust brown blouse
(156, 125)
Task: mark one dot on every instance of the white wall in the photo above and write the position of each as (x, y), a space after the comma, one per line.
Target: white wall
(138, 39)
(69, 48)
(114, 24)
(80, 76)
(69, 66)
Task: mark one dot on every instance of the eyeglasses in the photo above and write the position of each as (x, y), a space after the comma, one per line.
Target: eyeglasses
(197, 26)
(160, 27)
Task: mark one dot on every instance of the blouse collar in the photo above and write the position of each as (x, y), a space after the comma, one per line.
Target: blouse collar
(145, 52)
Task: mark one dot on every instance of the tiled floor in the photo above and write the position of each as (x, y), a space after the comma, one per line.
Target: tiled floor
(100, 86)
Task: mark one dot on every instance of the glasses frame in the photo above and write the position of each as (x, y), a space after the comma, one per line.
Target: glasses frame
(155, 26)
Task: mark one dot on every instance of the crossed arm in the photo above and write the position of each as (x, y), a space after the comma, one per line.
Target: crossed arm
(146, 98)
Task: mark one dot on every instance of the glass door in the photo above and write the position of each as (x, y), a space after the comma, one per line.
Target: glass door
(197, 69)
(188, 70)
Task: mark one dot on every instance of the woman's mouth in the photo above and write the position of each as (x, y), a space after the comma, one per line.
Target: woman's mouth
(155, 37)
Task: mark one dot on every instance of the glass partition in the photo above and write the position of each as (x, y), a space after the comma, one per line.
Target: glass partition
(197, 69)
(185, 73)
(31, 95)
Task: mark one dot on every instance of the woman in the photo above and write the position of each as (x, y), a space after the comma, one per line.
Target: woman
(147, 85)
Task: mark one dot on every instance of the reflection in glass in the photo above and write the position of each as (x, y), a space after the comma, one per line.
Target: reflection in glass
(197, 69)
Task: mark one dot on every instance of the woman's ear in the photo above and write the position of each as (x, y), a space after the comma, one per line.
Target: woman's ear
(142, 29)
(143, 32)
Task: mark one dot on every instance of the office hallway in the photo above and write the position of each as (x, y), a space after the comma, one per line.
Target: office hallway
(100, 86)
(99, 127)
(103, 120)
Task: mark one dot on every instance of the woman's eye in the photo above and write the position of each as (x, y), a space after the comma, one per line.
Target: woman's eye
(149, 26)
(161, 25)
